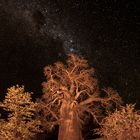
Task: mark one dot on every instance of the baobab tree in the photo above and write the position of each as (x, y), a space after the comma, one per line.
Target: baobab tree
(71, 93)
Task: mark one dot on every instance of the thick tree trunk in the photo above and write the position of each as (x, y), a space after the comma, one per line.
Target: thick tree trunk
(70, 127)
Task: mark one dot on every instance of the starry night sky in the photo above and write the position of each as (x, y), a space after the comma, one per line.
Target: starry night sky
(36, 33)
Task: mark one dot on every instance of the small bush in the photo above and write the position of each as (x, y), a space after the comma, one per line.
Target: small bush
(21, 123)
(123, 124)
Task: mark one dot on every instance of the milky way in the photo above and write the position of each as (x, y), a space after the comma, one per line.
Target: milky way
(53, 24)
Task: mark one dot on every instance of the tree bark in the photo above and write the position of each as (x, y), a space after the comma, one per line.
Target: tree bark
(70, 127)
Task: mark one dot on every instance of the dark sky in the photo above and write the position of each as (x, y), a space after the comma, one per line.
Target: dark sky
(36, 33)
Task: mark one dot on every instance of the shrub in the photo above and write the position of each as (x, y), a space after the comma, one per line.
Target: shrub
(21, 123)
(123, 124)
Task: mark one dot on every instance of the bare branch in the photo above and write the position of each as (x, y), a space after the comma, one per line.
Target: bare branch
(78, 93)
(90, 100)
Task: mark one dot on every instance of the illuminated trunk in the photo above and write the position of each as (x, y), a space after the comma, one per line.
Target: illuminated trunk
(69, 128)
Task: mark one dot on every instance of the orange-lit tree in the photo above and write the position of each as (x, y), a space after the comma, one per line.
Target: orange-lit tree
(71, 93)
(21, 123)
(123, 124)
